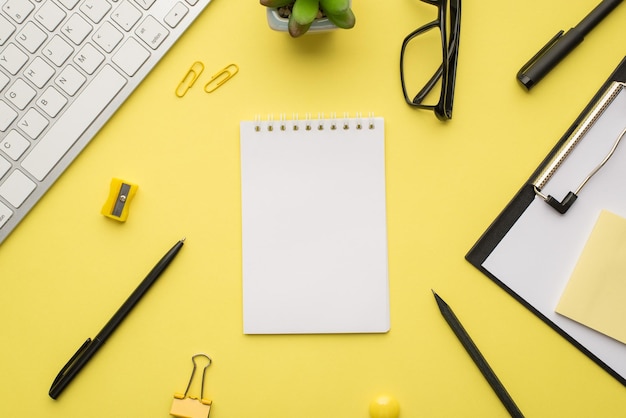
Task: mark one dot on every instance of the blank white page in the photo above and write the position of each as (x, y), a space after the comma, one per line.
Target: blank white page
(314, 227)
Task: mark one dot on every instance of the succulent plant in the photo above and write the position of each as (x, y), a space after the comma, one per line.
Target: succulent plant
(304, 12)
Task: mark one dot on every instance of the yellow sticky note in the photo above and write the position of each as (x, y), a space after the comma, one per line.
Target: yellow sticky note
(595, 293)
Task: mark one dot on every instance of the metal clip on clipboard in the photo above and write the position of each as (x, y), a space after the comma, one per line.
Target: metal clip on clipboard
(192, 407)
(563, 206)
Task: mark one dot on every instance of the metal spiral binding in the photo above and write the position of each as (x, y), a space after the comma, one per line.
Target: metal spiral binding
(320, 123)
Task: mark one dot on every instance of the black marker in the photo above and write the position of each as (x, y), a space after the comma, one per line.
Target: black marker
(478, 358)
(562, 44)
(90, 347)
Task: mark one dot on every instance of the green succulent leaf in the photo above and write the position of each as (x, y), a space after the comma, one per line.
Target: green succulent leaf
(305, 11)
(275, 3)
(345, 20)
(334, 7)
(295, 28)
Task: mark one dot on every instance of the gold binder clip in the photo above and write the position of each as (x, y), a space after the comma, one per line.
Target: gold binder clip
(192, 407)
(221, 77)
(189, 79)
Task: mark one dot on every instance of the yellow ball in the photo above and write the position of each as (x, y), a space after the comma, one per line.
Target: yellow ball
(384, 406)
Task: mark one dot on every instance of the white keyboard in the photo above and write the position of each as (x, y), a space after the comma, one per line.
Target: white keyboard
(65, 67)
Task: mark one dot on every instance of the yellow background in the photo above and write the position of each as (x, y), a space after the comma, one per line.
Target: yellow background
(66, 268)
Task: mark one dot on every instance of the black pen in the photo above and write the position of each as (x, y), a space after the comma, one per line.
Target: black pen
(558, 47)
(478, 358)
(90, 347)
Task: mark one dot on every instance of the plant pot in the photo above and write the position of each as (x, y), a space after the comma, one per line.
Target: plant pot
(279, 23)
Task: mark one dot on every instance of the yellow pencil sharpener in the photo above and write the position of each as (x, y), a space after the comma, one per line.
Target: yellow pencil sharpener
(117, 205)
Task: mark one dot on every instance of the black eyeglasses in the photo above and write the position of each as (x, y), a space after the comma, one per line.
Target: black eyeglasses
(428, 60)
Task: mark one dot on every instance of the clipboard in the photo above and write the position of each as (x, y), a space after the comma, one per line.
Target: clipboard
(532, 247)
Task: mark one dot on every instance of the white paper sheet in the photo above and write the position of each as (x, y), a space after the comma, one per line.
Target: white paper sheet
(314, 228)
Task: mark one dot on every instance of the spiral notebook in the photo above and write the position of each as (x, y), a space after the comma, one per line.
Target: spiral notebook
(314, 227)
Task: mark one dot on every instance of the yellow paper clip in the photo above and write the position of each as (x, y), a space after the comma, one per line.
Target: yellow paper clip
(221, 77)
(192, 407)
(117, 204)
(189, 79)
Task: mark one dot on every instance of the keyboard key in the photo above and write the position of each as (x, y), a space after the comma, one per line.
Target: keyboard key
(31, 37)
(4, 166)
(51, 101)
(76, 29)
(16, 188)
(79, 115)
(57, 50)
(4, 80)
(14, 145)
(145, 4)
(39, 72)
(33, 123)
(131, 56)
(7, 116)
(174, 16)
(89, 58)
(152, 32)
(5, 213)
(12, 59)
(6, 29)
(69, 4)
(18, 10)
(107, 37)
(20, 94)
(70, 80)
(50, 15)
(95, 9)
(126, 15)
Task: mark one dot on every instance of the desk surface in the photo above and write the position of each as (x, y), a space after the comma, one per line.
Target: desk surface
(446, 183)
